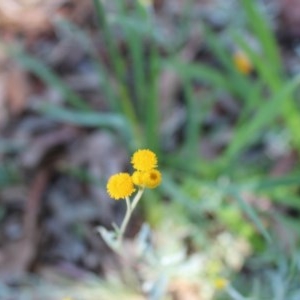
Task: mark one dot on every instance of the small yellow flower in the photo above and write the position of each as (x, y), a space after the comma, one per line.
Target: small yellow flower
(149, 179)
(242, 62)
(220, 283)
(120, 186)
(152, 178)
(144, 160)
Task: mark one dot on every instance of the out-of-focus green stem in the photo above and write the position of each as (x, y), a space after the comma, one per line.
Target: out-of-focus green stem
(130, 206)
(126, 219)
(137, 198)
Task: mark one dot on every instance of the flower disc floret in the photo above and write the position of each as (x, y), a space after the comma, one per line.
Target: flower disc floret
(120, 186)
(144, 160)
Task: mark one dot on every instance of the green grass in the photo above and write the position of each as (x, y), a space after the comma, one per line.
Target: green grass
(267, 103)
(135, 109)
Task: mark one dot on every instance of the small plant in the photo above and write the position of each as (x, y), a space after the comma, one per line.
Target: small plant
(123, 185)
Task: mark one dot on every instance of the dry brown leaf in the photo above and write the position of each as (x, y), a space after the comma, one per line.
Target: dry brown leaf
(182, 290)
(102, 156)
(16, 257)
(169, 82)
(290, 17)
(40, 146)
(82, 11)
(17, 90)
(28, 20)
(3, 108)
(285, 164)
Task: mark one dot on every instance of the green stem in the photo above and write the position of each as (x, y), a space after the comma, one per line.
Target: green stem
(234, 294)
(137, 198)
(126, 219)
(129, 209)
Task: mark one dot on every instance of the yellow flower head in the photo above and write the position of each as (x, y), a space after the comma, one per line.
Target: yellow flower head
(149, 179)
(144, 160)
(220, 283)
(120, 186)
(152, 178)
(242, 62)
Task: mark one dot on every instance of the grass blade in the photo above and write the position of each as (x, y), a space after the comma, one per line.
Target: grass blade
(262, 30)
(266, 114)
(89, 119)
(49, 77)
(250, 212)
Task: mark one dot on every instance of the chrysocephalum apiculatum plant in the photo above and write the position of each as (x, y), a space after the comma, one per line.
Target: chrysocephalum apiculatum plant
(123, 185)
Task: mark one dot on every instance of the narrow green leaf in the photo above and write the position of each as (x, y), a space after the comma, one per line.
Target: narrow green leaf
(116, 57)
(151, 101)
(49, 77)
(70, 29)
(273, 183)
(250, 212)
(199, 72)
(89, 119)
(259, 24)
(268, 111)
(192, 119)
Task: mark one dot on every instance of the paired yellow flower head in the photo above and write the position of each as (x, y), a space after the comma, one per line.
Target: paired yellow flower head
(145, 162)
(121, 185)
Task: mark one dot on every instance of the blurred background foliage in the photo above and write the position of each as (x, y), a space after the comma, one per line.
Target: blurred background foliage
(212, 88)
